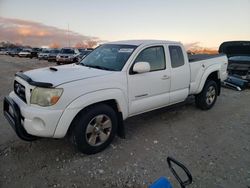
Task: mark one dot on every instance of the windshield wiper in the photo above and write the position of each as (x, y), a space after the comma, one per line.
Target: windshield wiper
(98, 67)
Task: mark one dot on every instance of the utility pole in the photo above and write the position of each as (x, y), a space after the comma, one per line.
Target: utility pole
(68, 36)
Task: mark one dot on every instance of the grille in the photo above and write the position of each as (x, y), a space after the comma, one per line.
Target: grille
(19, 89)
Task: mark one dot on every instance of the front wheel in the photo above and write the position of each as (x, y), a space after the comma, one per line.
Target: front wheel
(94, 128)
(207, 98)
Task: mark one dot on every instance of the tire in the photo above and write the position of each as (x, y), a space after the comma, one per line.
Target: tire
(88, 134)
(206, 99)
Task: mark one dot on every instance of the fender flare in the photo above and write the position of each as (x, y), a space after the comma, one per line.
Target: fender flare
(208, 71)
(86, 100)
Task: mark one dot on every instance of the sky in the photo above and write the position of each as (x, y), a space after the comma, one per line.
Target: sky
(194, 22)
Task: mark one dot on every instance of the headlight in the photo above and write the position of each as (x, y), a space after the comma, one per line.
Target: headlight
(45, 96)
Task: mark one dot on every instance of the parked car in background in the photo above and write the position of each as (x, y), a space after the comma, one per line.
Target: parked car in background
(83, 53)
(67, 55)
(26, 52)
(52, 55)
(8, 51)
(3, 52)
(85, 49)
(35, 52)
(15, 51)
(238, 53)
(44, 54)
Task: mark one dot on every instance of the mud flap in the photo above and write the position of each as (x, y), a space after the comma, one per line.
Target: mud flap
(121, 128)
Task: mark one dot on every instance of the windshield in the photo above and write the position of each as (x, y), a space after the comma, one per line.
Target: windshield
(45, 51)
(109, 57)
(54, 51)
(67, 51)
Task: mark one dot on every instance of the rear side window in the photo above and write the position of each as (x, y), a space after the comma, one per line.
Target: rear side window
(176, 56)
(154, 56)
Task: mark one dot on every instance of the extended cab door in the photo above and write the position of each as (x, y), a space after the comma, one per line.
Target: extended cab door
(180, 73)
(149, 90)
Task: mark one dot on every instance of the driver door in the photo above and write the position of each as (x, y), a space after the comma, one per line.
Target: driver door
(149, 90)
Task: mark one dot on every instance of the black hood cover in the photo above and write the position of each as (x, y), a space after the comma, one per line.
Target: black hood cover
(235, 48)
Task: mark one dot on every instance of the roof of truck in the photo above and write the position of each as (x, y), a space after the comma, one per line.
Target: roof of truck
(140, 42)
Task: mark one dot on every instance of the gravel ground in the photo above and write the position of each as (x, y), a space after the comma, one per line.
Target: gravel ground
(214, 145)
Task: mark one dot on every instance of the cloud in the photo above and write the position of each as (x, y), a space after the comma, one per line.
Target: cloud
(190, 45)
(195, 48)
(38, 34)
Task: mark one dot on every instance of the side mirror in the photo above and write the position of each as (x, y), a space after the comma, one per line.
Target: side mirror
(141, 67)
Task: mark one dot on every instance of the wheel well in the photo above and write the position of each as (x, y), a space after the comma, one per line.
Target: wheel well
(113, 104)
(215, 77)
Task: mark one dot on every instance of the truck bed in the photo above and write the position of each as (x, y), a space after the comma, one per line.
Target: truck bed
(200, 63)
(200, 57)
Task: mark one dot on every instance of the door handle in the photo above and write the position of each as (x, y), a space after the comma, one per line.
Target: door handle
(165, 77)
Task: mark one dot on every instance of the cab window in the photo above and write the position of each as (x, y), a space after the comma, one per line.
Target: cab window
(176, 56)
(155, 56)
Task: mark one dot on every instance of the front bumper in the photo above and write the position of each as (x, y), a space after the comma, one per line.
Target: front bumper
(43, 57)
(32, 120)
(24, 55)
(52, 58)
(13, 115)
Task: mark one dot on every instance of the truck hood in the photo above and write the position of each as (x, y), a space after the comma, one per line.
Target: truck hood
(235, 48)
(64, 74)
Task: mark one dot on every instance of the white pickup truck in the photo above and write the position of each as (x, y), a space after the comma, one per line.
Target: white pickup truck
(90, 100)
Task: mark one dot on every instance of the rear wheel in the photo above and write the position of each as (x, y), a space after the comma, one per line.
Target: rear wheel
(94, 128)
(207, 98)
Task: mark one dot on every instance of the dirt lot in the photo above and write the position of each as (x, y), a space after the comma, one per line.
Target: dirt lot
(214, 145)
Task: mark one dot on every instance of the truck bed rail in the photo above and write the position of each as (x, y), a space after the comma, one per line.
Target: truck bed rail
(199, 57)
